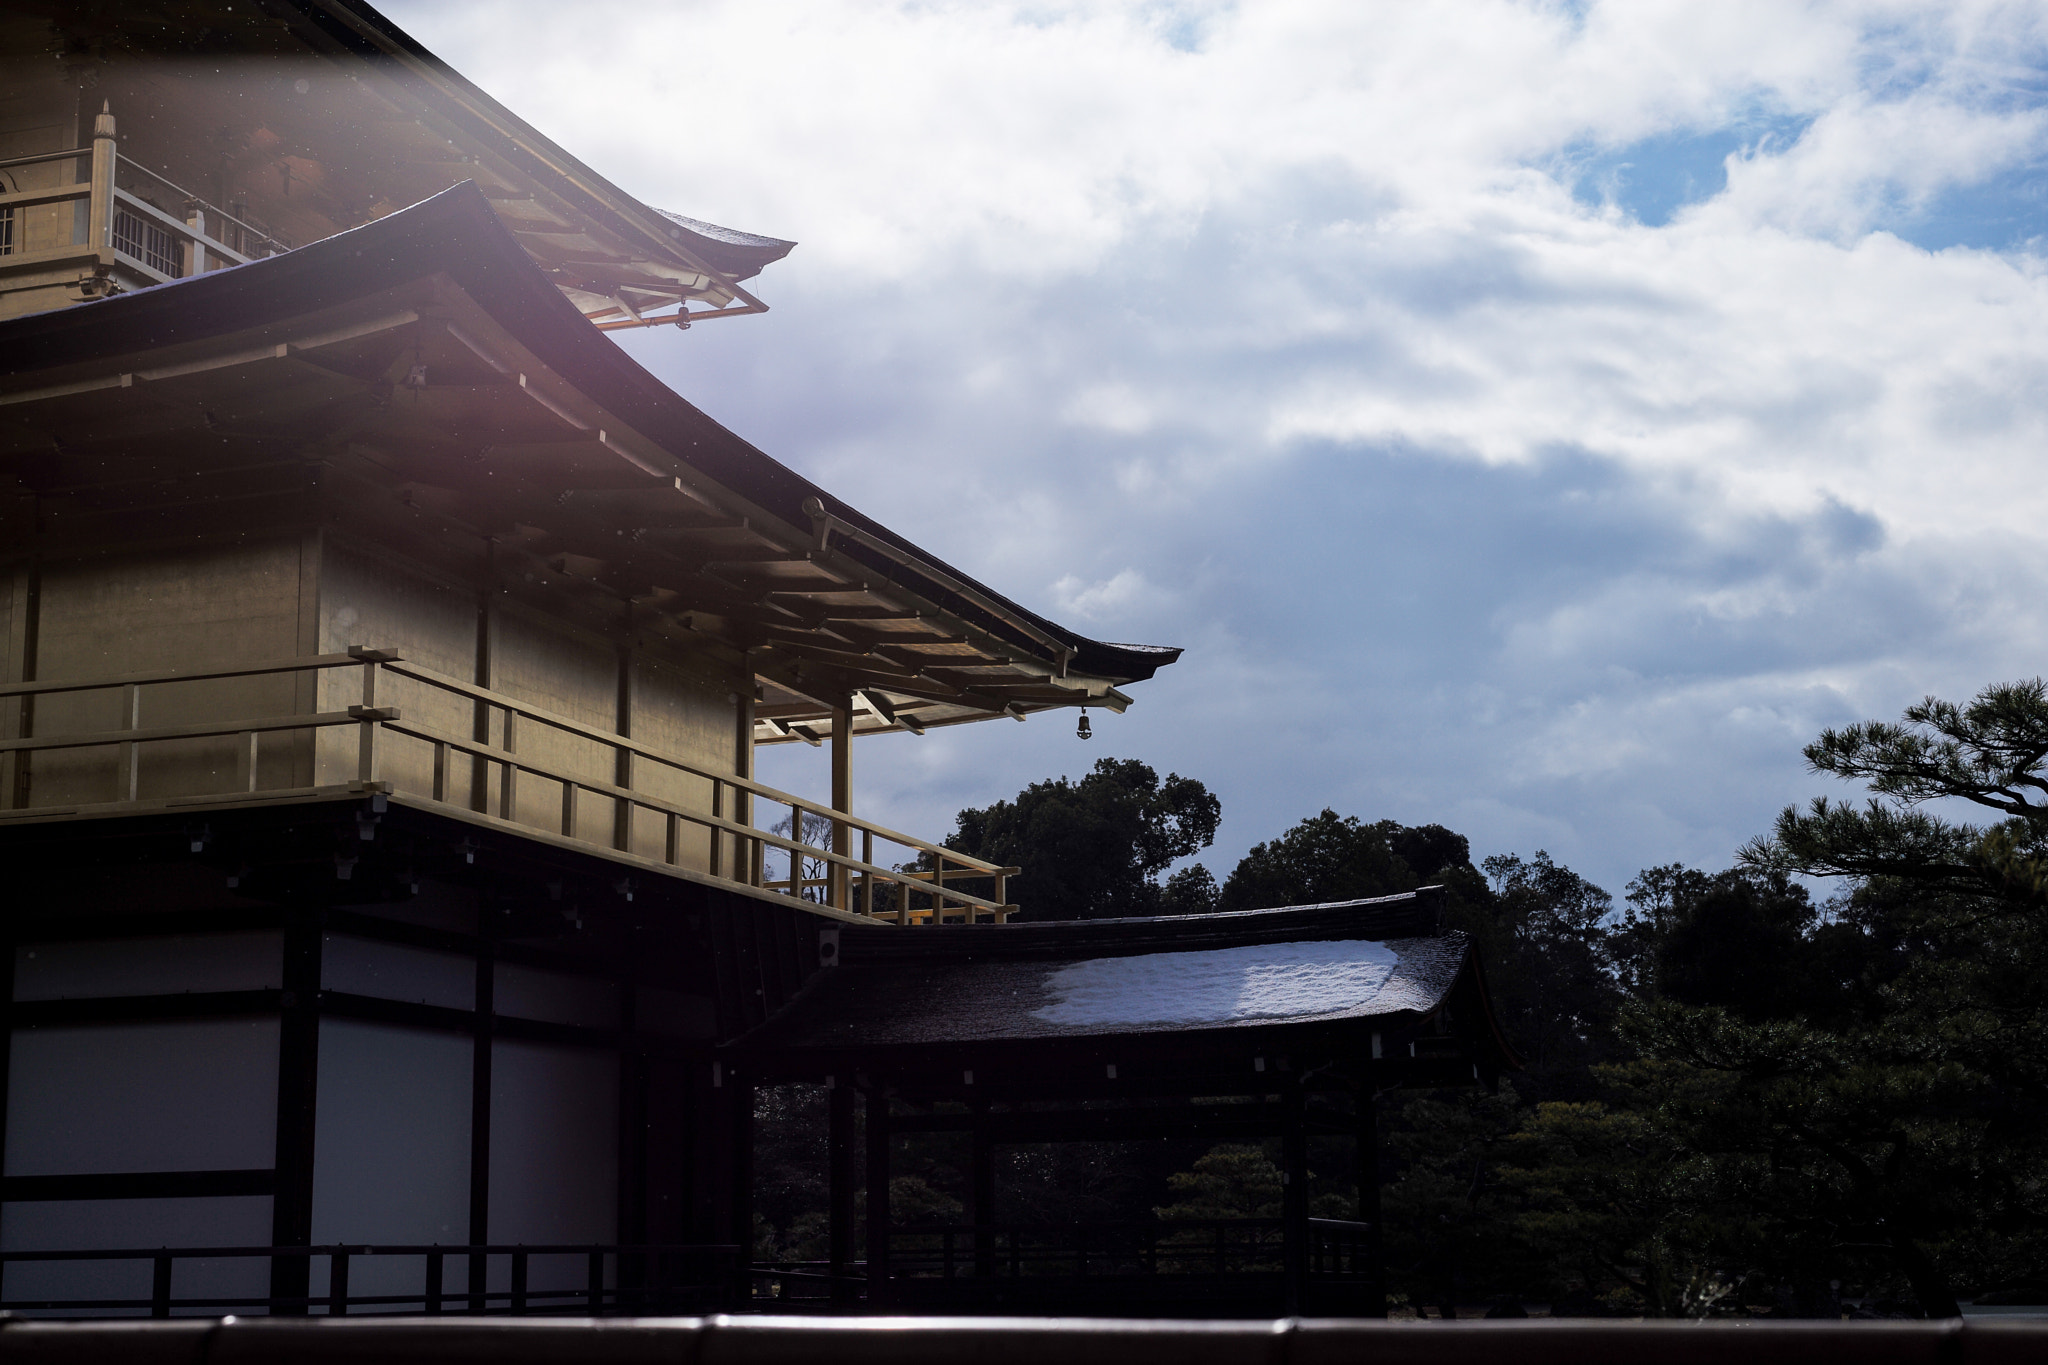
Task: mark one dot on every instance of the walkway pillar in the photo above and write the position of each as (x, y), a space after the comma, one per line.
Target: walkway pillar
(1369, 1197)
(878, 1198)
(1294, 1195)
(839, 1181)
(842, 800)
(982, 1157)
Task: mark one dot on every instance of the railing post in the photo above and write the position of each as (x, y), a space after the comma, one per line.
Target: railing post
(796, 858)
(519, 1281)
(594, 1289)
(160, 1289)
(714, 836)
(130, 777)
(508, 780)
(337, 1283)
(746, 853)
(1002, 895)
(867, 879)
(440, 771)
(837, 887)
(195, 218)
(245, 760)
(366, 756)
(100, 219)
(433, 1294)
(569, 808)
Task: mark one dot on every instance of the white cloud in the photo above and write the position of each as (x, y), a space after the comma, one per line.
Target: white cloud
(1105, 601)
(1280, 330)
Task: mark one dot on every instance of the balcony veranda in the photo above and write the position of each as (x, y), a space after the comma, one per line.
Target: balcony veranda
(88, 221)
(369, 722)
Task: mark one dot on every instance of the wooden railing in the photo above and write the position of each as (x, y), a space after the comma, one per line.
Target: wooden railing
(737, 847)
(156, 229)
(605, 1279)
(1205, 1246)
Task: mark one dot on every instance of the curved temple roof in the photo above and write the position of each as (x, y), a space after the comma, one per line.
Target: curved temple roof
(290, 120)
(1254, 986)
(1382, 962)
(529, 425)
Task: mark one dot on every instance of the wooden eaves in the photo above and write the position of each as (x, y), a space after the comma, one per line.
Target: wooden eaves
(463, 404)
(648, 260)
(382, 122)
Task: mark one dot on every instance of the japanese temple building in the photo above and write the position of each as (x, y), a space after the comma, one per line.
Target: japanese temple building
(393, 920)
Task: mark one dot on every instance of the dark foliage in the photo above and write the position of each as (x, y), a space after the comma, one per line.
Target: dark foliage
(1094, 849)
(1324, 858)
(1736, 1100)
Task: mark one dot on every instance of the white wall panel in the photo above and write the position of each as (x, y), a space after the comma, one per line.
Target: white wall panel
(554, 1152)
(393, 971)
(169, 965)
(559, 998)
(391, 1149)
(190, 1095)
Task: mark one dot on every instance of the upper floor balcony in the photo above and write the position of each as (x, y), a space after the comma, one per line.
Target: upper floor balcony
(86, 222)
(302, 121)
(375, 723)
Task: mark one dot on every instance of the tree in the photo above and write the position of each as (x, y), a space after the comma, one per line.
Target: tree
(1325, 858)
(808, 875)
(1094, 849)
(1739, 940)
(1541, 935)
(1892, 1064)
(1989, 753)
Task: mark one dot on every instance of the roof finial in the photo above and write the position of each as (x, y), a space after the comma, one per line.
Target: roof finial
(103, 122)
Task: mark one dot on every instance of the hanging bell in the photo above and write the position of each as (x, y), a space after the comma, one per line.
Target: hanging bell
(1082, 731)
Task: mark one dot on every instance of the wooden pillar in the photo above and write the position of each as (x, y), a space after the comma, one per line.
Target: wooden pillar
(1294, 1195)
(100, 223)
(633, 1154)
(7, 950)
(739, 1091)
(298, 1075)
(878, 1198)
(480, 1110)
(746, 859)
(982, 1182)
(839, 1181)
(622, 762)
(306, 686)
(842, 800)
(17, 719)
(480, 710)
(1369, 1196)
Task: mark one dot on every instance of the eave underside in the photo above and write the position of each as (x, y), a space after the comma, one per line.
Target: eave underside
(413, 418)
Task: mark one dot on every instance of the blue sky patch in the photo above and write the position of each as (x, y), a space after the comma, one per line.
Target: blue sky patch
(1653, 179)
(2005, 212)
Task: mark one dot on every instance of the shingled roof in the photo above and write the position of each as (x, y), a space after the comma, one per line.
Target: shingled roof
(1351, 962)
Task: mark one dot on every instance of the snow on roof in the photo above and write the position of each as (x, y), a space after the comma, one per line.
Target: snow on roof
(1220, 986)
(989, 999)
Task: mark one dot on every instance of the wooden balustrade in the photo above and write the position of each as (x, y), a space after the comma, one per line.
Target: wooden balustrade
(906, 895)
(150, 240)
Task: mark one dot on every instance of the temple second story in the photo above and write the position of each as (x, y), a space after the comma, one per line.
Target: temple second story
(143, 143)
(319, 478)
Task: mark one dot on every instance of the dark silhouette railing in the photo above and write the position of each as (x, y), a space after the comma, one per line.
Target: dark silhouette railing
(607, 1280)
(1209, 1246)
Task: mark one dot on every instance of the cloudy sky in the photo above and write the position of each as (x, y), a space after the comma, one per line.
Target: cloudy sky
(1537, 418)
